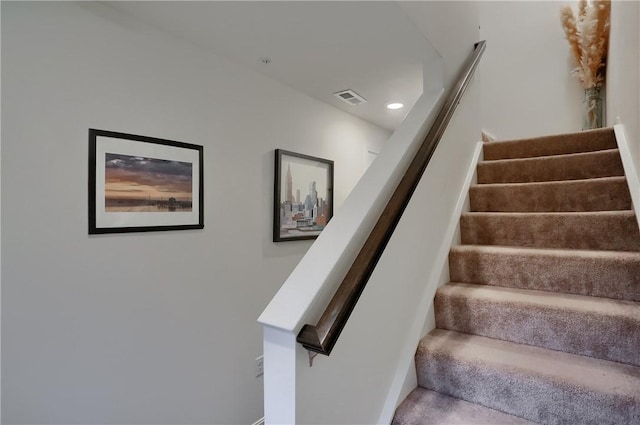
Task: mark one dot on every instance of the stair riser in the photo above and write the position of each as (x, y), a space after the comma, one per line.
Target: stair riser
(573, 231)
(534, 397)
(588, 333)
(552, 168)
(588, 195)
(617, 277)
(586, 141)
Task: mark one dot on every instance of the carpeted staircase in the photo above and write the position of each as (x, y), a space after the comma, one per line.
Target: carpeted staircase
(541, 320)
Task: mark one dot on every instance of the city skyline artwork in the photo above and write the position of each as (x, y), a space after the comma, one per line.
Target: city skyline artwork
(305, 203)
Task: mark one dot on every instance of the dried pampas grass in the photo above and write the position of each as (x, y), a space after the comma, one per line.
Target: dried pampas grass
(587, 31)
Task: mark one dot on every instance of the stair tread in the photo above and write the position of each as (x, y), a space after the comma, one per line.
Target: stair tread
(531, 297)
(611, 230)
(548, 137)
(595, 194)
(577, 371)
(622, 213)
(543, 159)
(603, 328)
(573, 166)
(426, 407)
(589, 140)
(551, 183)
(538, 384)
(554, 252)
(601, 273)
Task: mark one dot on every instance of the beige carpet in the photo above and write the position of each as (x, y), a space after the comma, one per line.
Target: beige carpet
(541, 320)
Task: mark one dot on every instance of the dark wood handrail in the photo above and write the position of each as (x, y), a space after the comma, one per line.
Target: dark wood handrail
(322, 337)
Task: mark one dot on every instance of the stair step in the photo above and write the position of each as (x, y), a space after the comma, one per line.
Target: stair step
(611, 274)
(601, 230)
(576, 166)
(534, 383)
(600, 194)
(596, 327)
(585, 141)
(426, 407)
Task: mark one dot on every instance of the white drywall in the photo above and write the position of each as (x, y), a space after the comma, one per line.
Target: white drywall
(527, 87)
(279, 376)
(623, 73)
(353, 384)
(307, 291)
(358, 376)
(315, 279)
(142, 328)
(451, 28)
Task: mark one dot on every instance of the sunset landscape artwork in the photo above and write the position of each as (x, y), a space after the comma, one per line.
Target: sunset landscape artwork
(143, 184)
(138, 184)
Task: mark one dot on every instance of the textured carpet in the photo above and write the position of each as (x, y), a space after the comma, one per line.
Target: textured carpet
(611, 274)
(541, 320)
(541, 385)
(602, 230)
(575, 166)
(585, 141)
(447, 410)
(603, 194)
(596, 327)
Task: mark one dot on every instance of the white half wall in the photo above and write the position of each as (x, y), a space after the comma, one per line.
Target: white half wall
(527, 87)
(623, 73)
(142, 328)
(379, 341)
(358, 382)
(312, 284)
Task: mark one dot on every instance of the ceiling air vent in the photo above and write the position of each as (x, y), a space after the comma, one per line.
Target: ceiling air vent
(350, 97)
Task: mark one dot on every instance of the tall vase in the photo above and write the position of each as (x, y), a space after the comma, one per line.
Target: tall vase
(592, 109)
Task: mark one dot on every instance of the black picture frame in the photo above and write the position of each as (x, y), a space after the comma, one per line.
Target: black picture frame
(300, 214)
(129, 177)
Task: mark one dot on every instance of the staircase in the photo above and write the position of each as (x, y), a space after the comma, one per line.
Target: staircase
(541, 320)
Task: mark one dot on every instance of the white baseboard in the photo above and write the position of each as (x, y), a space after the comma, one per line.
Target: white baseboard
(629, 168)
(259, 421)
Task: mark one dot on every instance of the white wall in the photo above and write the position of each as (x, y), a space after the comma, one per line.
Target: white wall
(142, 328)
(359, 380)
(357, 383)
(450, 27)
(527, 87)
(307, 291)
(623, 72)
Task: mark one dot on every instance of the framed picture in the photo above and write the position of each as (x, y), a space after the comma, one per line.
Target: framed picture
(143, 184)
(303, 196)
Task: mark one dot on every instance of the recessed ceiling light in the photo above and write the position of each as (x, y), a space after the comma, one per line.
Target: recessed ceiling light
(395, 106)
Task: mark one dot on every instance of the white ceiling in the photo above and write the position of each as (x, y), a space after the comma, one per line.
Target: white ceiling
(316, 47)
